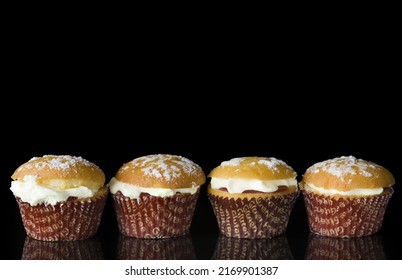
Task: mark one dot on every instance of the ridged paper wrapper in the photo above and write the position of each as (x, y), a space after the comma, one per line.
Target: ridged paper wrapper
(155, 217)
(346, 216)
(256, 217)
(64, 221)
(176, 248)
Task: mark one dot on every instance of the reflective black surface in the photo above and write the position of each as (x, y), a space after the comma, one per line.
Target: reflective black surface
(177, 248)
(362, 248)
(276, 248)
(88, 249)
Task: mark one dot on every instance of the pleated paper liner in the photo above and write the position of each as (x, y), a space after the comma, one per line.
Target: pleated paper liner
(155, 217)
(228, 248)
(88, 249)
(357, 248)
(253, 217)
(176, 248)
(65, 221)
(337, 216)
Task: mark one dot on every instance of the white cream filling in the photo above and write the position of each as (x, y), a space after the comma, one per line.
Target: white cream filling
(134, 192)
(357, 192)
(33, 193)
(238, 185)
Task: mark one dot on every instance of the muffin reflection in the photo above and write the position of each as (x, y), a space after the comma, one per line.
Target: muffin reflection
(228, 248)
(359, 248)
(88, 249)
(177, 248)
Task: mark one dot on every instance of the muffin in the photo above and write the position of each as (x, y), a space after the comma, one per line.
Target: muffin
(252, 197)
(346, 197)
(60, 197)
(155, 195)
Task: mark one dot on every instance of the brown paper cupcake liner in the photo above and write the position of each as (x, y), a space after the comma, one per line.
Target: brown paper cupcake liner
(65, 221)
(358, 248)
(337, 216)
(176, 248)
(154, 217)
(260, 217)
(88, 249)
(228, 248)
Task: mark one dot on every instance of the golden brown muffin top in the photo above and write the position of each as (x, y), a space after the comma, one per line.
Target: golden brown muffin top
(348, 173)
(260, 168)
(161, 171)
(62, 172)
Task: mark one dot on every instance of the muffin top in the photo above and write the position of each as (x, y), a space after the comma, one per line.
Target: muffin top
(252, 174)
(161, 171)
(348, 173)
(61, 172)
(260, 168)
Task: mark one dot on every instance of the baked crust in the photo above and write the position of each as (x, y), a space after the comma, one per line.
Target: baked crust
(62, 172)
(259, 168)
(348, 173)
(161, 171)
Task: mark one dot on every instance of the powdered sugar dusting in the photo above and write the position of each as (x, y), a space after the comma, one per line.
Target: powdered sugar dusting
(232, 162)
(168, 167)
(342, 166)
(56, 162)
(125, 167)
(272, 163)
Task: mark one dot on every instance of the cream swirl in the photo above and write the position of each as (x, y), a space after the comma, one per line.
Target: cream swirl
(354, 192)
(30, 191)
(134, 192)
(239, 185)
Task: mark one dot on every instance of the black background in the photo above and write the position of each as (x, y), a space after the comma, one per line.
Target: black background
(301, 108)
